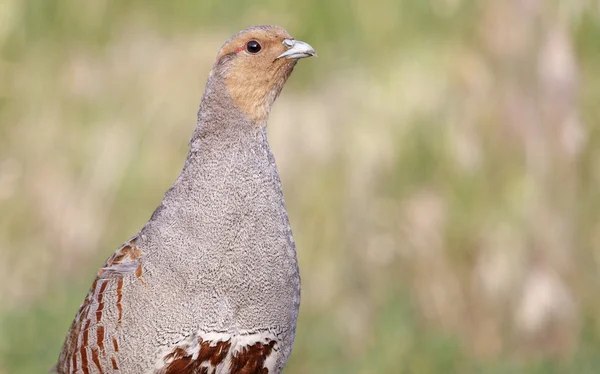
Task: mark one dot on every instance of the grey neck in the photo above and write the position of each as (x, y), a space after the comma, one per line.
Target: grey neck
(224, 138)
(226, 151)
(219, 119)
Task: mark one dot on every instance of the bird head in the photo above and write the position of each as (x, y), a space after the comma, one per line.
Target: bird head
(255, 64)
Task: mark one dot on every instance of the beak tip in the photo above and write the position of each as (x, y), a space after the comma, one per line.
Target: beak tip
(298, 50)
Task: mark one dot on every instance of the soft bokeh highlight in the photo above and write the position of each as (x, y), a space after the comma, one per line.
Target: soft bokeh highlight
(440, 161)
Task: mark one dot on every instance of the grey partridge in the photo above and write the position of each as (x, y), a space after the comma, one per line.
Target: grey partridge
(211, 283)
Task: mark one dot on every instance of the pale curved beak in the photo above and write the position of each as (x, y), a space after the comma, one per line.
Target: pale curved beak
(297, 50)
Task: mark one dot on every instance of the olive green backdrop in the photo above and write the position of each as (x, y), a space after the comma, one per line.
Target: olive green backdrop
(440, 160)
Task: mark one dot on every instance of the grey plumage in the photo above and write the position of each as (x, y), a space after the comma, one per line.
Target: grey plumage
(215, 263)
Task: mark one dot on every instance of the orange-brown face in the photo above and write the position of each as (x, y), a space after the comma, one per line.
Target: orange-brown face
(255, 65)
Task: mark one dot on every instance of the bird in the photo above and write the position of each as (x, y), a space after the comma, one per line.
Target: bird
(210, 284)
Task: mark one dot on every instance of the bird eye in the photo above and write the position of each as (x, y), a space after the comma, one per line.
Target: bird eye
(253, 46)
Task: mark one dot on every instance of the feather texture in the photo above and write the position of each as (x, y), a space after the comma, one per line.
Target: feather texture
(211, 283)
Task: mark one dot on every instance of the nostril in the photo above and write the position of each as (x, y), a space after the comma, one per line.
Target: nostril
(289, 42)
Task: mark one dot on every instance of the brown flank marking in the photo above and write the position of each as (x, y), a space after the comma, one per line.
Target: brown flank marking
(100, 338)
(93, 288)
(78, 338)
(215, 354)
(74, 360)
(184, 364)
(251, 360)
(96, 359)
(82, 350)
(100, 302)
(127, 251)
(138, 274)
(114, 363)
(120, 298)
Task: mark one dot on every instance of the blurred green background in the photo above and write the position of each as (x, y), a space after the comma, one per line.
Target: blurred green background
(440, 160)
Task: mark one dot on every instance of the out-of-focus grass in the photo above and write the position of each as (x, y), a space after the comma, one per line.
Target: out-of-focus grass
(440, 162)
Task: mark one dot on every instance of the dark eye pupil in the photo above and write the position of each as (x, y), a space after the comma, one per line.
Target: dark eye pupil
(253, 46)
